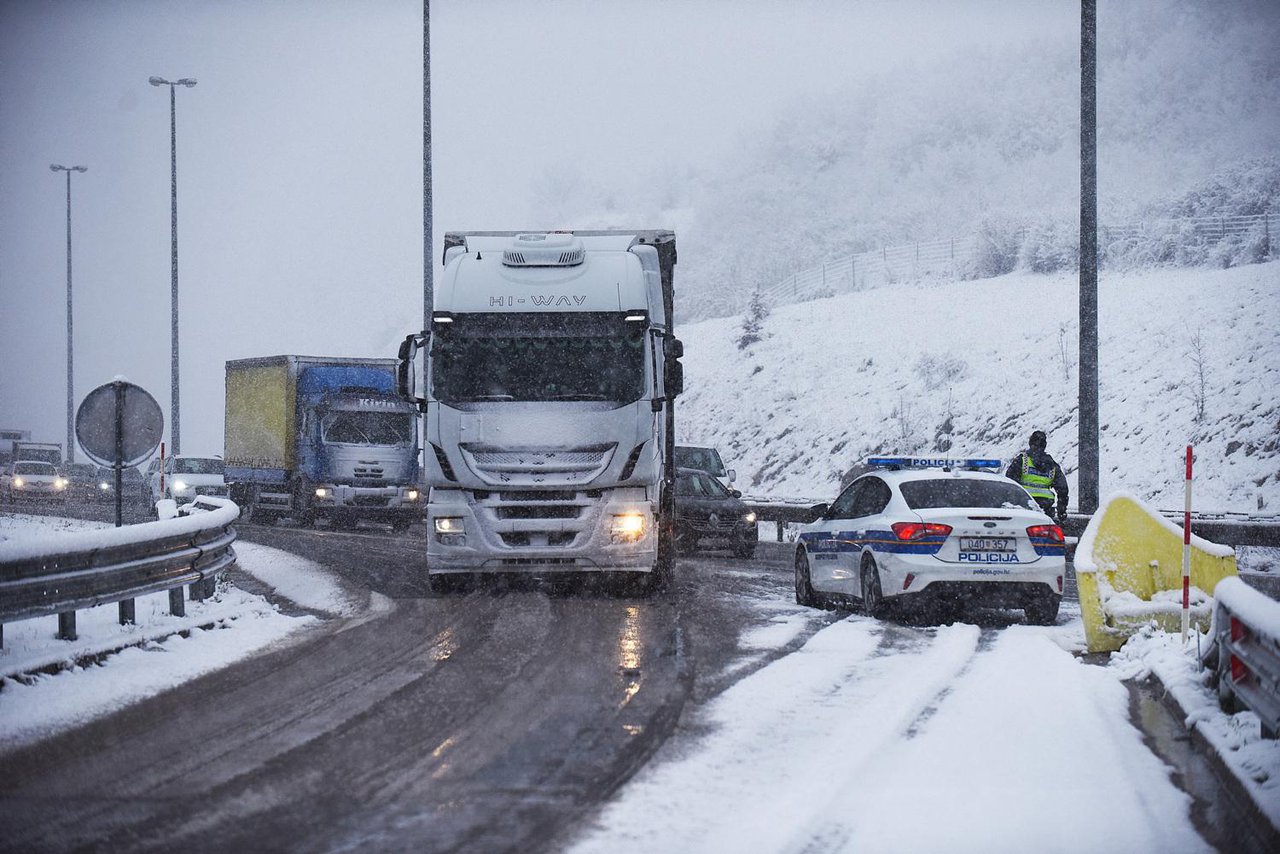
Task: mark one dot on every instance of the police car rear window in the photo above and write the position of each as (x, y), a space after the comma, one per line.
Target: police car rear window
(964, 492)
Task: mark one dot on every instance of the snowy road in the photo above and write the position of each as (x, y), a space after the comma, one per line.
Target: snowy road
(720, 716)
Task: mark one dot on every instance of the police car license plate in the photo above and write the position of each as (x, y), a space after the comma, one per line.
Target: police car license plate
(986, 544)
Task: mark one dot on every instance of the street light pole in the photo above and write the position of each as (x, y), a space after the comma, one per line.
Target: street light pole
(173, 222)
(71, 408)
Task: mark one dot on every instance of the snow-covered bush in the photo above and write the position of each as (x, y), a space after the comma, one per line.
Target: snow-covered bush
(753, 320)
(1048, 247)
(937, 371)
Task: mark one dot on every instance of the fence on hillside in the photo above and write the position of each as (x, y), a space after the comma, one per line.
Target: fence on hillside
(957, 258)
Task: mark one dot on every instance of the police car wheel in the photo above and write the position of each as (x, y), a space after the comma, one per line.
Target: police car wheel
(1044, 611)
(805, 594)
(872, 595)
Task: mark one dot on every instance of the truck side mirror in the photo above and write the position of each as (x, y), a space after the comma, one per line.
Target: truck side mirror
(406, 375)
(675, 378)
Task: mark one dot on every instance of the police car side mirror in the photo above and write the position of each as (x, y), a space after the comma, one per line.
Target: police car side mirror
(735, 493)
(820, 510)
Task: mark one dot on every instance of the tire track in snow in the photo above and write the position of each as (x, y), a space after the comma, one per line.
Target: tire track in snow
(780, 737)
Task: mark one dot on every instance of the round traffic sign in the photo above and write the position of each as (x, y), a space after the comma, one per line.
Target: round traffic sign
(119, 423)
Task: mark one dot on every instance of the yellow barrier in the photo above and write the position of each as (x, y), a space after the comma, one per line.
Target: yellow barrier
(1129, 572)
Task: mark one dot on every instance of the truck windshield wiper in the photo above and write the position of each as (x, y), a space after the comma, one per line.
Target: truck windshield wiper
(579, 397)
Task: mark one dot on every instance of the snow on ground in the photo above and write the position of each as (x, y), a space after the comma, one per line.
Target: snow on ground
(299, 580)
(110, 666)
(973, 367)
(875, 737)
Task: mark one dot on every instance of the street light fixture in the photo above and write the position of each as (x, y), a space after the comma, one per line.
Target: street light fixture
(71, 436)
(173, 220)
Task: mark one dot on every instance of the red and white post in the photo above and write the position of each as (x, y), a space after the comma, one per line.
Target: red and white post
(1186, 554)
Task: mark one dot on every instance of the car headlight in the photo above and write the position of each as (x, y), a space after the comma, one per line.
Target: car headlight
(19, 482)
(627, 527)
(104, 485)
(750, 517)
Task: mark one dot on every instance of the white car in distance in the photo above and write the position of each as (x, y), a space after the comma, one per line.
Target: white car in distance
(186, 477)
(32, 479)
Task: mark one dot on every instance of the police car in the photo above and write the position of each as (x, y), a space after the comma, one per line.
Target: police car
(933, 531)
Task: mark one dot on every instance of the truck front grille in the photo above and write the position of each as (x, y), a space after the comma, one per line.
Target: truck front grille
(536, 466)
(535, 519)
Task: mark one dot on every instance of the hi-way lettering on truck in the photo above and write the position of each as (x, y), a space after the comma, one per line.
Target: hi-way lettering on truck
(549, 380)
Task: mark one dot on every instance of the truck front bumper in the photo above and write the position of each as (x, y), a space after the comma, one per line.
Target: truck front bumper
(539, 532)
(375, 503)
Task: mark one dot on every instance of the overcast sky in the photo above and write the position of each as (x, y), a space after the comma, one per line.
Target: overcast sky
(300, 155)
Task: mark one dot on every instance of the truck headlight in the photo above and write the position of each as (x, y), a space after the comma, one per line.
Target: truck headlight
(18, 483)
(411, 495)
(178, 486)
(59, 484)
(749, 518)
(321, 492)
(450, 531)
(627, 527)
(104, 486)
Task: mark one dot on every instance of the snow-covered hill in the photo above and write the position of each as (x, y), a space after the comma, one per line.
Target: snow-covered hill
(973, 367)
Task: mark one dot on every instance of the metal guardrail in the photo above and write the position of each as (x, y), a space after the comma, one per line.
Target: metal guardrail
(1233, 529)
(91, 568)
(1245, 652)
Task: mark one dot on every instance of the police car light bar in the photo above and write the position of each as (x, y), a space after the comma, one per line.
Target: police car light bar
(932, 463)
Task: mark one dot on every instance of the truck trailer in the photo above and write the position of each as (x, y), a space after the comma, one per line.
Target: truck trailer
(321, 437)
(548, 381)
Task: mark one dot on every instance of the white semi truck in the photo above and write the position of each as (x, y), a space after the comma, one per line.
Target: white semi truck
(548, 381)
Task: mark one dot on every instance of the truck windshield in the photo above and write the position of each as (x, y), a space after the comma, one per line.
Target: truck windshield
(196, 465)
(586, 356)
(368, 428)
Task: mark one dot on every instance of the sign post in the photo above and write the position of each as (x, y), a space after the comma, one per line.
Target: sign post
(1186, 554)
(118, 425)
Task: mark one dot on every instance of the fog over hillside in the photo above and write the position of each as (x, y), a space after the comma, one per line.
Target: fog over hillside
(938, 147)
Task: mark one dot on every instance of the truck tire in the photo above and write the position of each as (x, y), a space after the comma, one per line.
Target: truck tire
(443, 585)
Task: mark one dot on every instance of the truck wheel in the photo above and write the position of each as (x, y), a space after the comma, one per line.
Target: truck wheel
(442, 584)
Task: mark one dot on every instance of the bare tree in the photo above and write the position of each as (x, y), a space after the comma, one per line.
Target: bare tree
(1196, 354)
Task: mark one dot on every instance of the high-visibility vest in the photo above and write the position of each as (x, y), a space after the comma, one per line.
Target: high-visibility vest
(1039, 484)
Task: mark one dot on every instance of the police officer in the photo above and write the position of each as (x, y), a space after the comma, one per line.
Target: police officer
(1040, 475)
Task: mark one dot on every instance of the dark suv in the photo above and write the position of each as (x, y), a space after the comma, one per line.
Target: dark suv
(707, 511)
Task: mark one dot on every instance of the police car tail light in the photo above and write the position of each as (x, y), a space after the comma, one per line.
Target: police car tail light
(1046, 532)
(919, 530)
